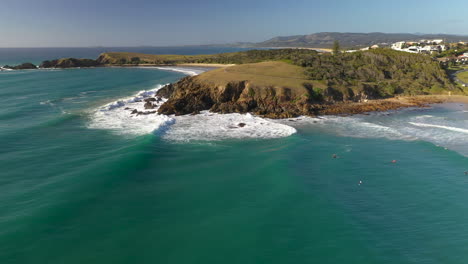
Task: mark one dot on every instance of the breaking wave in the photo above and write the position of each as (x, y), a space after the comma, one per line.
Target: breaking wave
(117, 116)
(445, 125)
(209, 126)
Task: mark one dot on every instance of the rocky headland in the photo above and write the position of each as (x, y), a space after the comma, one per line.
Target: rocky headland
(286, 83)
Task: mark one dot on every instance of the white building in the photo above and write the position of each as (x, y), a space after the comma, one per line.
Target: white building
(398, 45)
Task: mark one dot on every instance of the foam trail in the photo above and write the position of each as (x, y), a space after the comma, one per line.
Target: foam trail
(208, 126)
(117, 117)
(455, 129)
(186, 71)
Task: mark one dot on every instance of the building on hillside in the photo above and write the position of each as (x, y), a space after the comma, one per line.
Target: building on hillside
(463, 59)
(398, 45)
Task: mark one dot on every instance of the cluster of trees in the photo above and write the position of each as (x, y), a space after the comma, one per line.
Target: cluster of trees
(377, 73)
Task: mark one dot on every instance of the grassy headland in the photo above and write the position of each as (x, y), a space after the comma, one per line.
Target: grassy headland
(290, 82)
(307, 83)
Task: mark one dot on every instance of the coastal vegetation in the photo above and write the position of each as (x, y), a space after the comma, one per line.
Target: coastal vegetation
(310, 83)
(69, 63)
(281, 83)
(463, 76)
(250, 56)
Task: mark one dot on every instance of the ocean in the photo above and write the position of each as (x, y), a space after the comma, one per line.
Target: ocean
(84, 181)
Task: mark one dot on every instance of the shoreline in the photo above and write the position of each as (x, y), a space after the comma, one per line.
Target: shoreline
(395, 103)
(195, 65)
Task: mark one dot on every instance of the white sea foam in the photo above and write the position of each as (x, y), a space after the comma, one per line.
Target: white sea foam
(354, 126)
(443, 128)
(116, 116)
(186, 71)
(208, 126)
(456, 129)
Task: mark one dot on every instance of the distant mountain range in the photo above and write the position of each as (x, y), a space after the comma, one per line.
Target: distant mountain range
(326, 39)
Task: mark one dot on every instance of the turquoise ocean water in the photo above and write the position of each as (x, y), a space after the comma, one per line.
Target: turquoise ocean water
(81, 181)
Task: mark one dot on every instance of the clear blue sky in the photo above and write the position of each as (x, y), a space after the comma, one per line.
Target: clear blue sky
(73, 23)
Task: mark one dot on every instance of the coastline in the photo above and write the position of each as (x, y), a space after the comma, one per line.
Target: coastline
(306, 48)
(395, 103)
(204, 65)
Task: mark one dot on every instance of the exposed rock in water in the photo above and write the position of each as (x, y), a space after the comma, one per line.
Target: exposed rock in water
(167, 90)
(146, 113)
(149, 105)
(241, 124)
(23, 66)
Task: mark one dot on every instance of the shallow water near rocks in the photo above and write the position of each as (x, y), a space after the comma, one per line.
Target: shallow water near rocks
(202, 189)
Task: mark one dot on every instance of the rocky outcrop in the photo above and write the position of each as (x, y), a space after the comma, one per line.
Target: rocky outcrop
(23, 66)
(190, 96)
(70, 63)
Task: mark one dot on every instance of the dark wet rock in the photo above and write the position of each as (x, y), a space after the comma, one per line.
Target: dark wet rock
(149, 105)
(146, 113)
(134, 111)
(23, 66)
(127, 108)
(151, 99)
(241, 124)
(167, 90)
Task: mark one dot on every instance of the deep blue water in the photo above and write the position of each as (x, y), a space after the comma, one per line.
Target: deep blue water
(83, 181)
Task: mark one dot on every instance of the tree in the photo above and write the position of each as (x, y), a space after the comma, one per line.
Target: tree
(336, 47)
(135, 60)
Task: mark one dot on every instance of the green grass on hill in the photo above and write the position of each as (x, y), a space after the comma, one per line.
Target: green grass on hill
(273, 74)
(463, 76)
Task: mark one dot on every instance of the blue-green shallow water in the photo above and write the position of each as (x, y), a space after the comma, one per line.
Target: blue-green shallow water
(71, 194)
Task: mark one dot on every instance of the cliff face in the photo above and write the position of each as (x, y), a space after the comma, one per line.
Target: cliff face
(191, 95)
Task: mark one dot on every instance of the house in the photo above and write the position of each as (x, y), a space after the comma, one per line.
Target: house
(398, 45)
(463, 59)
